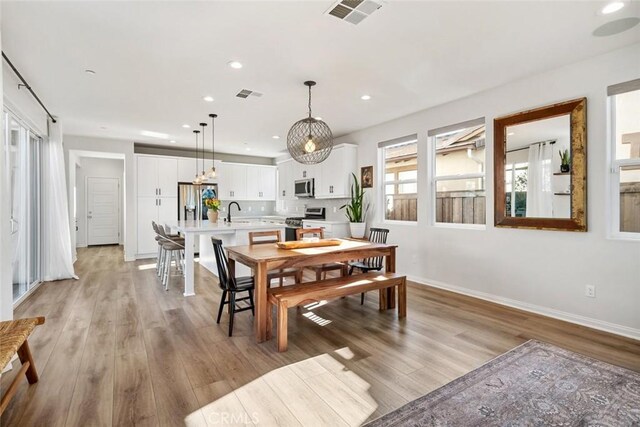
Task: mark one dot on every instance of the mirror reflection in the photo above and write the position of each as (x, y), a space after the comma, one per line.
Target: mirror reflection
(538, 169)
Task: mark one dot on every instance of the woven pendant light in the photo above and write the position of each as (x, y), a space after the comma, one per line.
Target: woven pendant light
(309, 140)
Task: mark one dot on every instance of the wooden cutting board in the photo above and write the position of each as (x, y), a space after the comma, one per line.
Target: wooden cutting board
(299, 244)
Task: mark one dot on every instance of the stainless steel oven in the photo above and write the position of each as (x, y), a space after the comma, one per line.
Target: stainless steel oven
(304, 188)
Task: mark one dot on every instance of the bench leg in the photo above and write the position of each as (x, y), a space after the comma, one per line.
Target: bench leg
(269, 321)
(402, 299)
(24, 354)
(282, 326)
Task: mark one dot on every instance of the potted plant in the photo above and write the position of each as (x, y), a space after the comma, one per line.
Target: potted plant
(564, 161)
(213, 206)
(356, 210)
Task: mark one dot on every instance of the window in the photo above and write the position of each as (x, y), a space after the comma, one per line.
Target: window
(624, 102)
(458, 173)
(400, 158)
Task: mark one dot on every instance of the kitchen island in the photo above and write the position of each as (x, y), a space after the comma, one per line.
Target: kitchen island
(232, 234)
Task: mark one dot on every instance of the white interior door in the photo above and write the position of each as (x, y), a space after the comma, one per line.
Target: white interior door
(103, 211)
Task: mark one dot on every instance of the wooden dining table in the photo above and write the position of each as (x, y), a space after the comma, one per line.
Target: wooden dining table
(267, 257)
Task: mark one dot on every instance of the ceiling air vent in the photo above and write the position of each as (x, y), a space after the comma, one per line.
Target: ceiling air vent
(354, 11)
(245, 93)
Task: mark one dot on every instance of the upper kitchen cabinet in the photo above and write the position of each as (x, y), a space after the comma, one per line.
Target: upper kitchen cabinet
(157, 176)
(247, 182)
(261, 182)
(333, 177)
(285, 180)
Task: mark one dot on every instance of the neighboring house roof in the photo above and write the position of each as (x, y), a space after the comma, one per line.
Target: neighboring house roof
(467, 138)
(401, 152)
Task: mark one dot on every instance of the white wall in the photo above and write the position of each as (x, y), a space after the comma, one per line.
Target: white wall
(73, 145)
(544, 271)
(96, 168)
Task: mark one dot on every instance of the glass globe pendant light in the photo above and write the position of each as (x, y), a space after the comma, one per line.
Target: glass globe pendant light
(197, 180)
(309, 140)
(212, 172)
(203, 175)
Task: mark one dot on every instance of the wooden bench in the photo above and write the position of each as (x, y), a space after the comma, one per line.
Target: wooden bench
(305, 293)
(13, 339)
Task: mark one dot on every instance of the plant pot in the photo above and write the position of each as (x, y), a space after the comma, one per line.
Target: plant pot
(564, 168)
(212, 215)
(357, 229)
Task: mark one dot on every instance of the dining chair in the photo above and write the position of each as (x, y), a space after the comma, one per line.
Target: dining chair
(320, 270)
(231, 286)
(271, 237)
(376, 235)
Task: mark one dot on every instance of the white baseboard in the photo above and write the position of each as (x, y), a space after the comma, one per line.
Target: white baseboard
(601, 325)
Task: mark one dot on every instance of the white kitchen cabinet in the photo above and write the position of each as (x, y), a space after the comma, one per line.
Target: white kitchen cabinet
(158, 209)
(267, 180)
(333, 180)
(285, 180)
(157, 176)
(233, 182)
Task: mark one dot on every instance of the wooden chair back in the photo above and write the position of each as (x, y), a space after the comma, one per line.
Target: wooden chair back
(305, 232)
(264, 237)
(225, 281)
(376, 235)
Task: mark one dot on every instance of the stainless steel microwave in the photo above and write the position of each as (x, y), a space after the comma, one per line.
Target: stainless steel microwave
(304, 188)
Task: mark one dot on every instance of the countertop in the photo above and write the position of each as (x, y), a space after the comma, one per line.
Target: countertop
(324, 221)
(191, 226)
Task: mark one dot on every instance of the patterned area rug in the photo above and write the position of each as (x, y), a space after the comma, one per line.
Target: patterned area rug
(535, 384)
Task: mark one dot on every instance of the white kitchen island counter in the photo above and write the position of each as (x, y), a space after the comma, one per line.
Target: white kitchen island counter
(231, 234)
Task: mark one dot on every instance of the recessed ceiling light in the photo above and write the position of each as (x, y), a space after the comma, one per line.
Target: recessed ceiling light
(186, 126)
(511, 133)
(90, 72)
(275, 137)
(208, 98)
(151, 134)
(365, 97)
(173, 141)
(612, 7)
(235, 64)
(248, 148)
(103, 127)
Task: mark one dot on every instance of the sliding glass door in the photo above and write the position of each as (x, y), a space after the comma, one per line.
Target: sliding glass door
(23, 148)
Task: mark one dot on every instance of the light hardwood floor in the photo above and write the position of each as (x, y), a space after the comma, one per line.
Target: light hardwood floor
(116, 349)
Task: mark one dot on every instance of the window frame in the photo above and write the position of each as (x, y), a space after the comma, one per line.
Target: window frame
(434, 179)
(382, 198)
(614, 166)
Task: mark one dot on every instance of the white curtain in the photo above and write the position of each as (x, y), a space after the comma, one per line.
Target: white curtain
(57, 257)
(539, 195)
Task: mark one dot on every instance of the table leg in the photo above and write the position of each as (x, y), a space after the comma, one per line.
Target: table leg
(262, 305)
(391, 268)
(189, 288)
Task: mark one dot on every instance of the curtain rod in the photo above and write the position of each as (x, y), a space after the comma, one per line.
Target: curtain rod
(551, 141)
(25, 84)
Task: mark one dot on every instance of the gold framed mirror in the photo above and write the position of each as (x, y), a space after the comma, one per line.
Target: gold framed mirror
(540, 168)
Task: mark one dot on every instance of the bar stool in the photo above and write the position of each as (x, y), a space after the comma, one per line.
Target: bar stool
(172, 249)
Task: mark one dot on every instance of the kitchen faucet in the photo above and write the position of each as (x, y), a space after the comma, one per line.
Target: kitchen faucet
(229, 210)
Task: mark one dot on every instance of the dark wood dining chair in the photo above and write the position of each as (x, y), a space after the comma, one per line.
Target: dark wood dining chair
(320, 270)
(376, 235)
(271, 237)
(231, 286)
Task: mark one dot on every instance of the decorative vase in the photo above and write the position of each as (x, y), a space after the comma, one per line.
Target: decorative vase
(357, 229)
(212, 215)
(564, 168)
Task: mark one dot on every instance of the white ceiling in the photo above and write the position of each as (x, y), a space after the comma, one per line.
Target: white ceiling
(156, 60)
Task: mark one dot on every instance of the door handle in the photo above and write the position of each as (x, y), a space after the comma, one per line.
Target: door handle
(159, 191)
(156, 191)
(159, 202)
(89, 216)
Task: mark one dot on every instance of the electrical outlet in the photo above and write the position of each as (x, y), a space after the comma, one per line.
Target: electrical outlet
(335, 209)
(262, 208)
(249, 209)
(590, 291)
